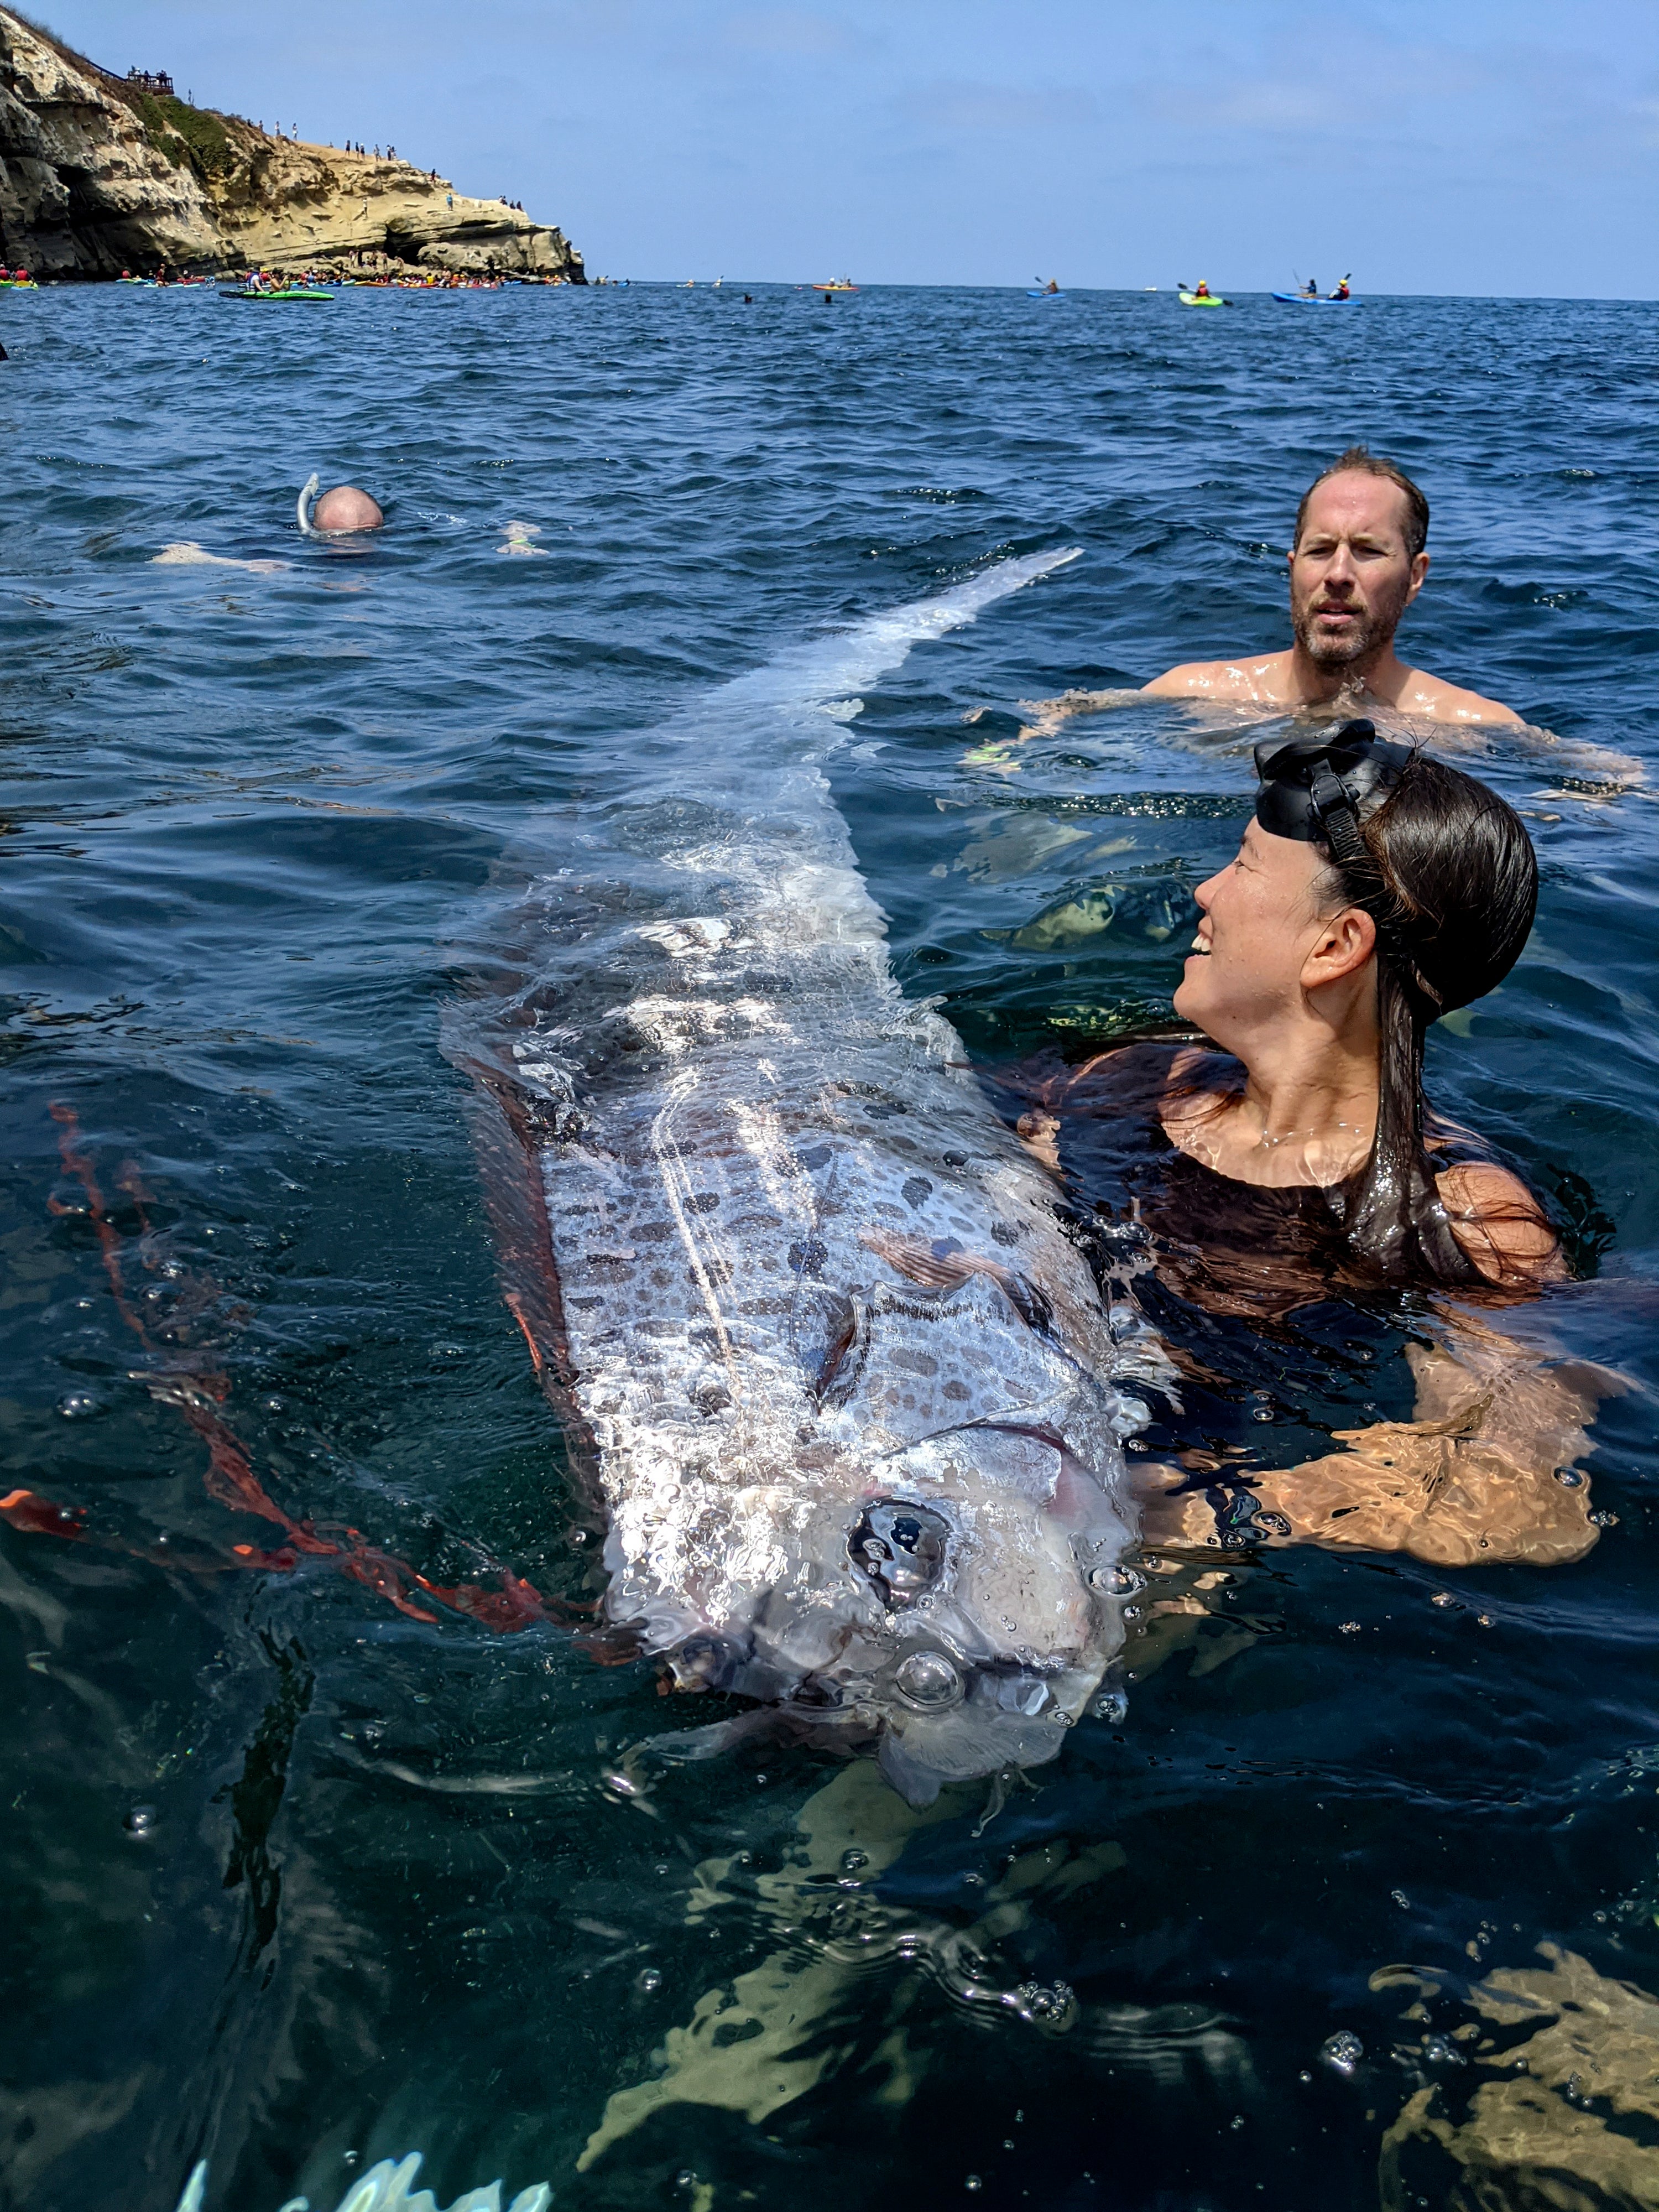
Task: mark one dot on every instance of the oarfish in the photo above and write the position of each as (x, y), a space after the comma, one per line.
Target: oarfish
(842, 1381)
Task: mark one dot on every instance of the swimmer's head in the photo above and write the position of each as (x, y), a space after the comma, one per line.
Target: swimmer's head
(1358, 560)
(1376, 889)
(344, 509)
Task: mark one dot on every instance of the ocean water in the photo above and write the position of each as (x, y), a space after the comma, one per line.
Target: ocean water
(298, 1880)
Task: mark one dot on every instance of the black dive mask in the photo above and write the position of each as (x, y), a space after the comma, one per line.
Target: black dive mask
(1319, 789)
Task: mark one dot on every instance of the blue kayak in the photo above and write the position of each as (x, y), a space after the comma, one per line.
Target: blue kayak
(1042, 292)
(1316, 299)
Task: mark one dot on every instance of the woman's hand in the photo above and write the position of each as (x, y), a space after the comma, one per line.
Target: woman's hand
(1454, 1501)
(1485, 1478)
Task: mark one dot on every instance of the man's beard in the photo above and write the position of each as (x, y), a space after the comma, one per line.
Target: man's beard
(1372, 632)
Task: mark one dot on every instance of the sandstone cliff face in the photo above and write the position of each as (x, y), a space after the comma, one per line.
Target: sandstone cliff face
(95, 178)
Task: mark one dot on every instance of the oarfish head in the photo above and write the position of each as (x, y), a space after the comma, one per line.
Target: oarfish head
(961, 1606)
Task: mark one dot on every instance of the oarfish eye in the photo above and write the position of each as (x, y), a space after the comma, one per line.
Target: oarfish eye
(928, 1681)
(900, 1547)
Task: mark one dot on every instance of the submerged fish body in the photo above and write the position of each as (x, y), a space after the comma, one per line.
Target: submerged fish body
(842, 1381)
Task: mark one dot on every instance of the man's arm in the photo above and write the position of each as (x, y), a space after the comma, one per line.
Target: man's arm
(1050, 713)
(1194, 679)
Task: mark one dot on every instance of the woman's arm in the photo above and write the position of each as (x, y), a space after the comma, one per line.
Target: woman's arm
(1500, 1226)
(1476, 1480)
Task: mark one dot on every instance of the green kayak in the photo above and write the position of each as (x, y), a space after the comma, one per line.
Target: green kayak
(1203, 300)
(288, 292)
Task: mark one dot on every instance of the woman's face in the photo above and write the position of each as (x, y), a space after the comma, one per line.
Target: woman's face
(1260, 921)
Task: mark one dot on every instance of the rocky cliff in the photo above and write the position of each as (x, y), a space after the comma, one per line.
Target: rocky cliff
(98, 175)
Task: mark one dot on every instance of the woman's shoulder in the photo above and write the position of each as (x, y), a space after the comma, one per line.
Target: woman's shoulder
(1139, 1079)
(1499, 1224)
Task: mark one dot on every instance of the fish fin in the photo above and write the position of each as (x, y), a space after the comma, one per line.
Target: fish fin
(518, 1215)
(844, 1359)
(949, 1271)
(919, 1263)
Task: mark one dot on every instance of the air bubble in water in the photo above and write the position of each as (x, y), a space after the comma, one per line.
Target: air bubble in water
(141, 1820)
(1111, 1705)
(851, 1861)
(1117, 1582)
(1400, 1900)
(1570, 1476)
(973, 2181)
(1343, 2050)
(650, 1981)
(81, 1406)
(928, 1681)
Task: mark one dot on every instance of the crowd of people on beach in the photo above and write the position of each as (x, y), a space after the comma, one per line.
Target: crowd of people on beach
(403, 279)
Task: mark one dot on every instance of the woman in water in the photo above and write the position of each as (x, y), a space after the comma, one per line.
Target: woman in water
(1305, 1210)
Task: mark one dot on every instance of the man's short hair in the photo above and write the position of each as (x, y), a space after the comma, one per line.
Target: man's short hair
(1360, 460)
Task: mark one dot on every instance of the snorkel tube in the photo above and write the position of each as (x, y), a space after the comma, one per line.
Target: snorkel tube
(307, 493)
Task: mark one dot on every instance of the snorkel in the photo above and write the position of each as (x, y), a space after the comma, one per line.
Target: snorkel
(344, 512)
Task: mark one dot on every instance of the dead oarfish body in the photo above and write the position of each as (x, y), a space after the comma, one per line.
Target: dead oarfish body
(844, 1385)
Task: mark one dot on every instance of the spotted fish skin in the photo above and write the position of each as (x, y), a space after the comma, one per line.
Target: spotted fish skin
(844, 1380)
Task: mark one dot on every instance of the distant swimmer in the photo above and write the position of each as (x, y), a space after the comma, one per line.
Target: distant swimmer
(339, 512)
(186, 554)
(518, 537)
(1355, 565)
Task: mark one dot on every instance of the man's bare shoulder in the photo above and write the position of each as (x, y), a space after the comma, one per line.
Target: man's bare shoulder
(1256, 675)
(1438, 701)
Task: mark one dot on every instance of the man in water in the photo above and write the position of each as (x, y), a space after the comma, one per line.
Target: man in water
(1357, 564)
(344, 509)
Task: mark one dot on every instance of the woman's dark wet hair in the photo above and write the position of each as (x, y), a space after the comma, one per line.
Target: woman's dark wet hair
(1449, 877)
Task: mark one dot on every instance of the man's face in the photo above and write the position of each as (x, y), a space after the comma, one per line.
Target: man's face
(1350, 576)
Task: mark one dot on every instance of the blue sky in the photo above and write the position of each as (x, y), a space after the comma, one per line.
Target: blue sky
(1496, 146)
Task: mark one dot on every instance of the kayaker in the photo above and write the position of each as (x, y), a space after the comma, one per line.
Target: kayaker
(1311, 289)
(1289, 1164)
(1357, 563)
(1202, 289)
(1341, 291)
